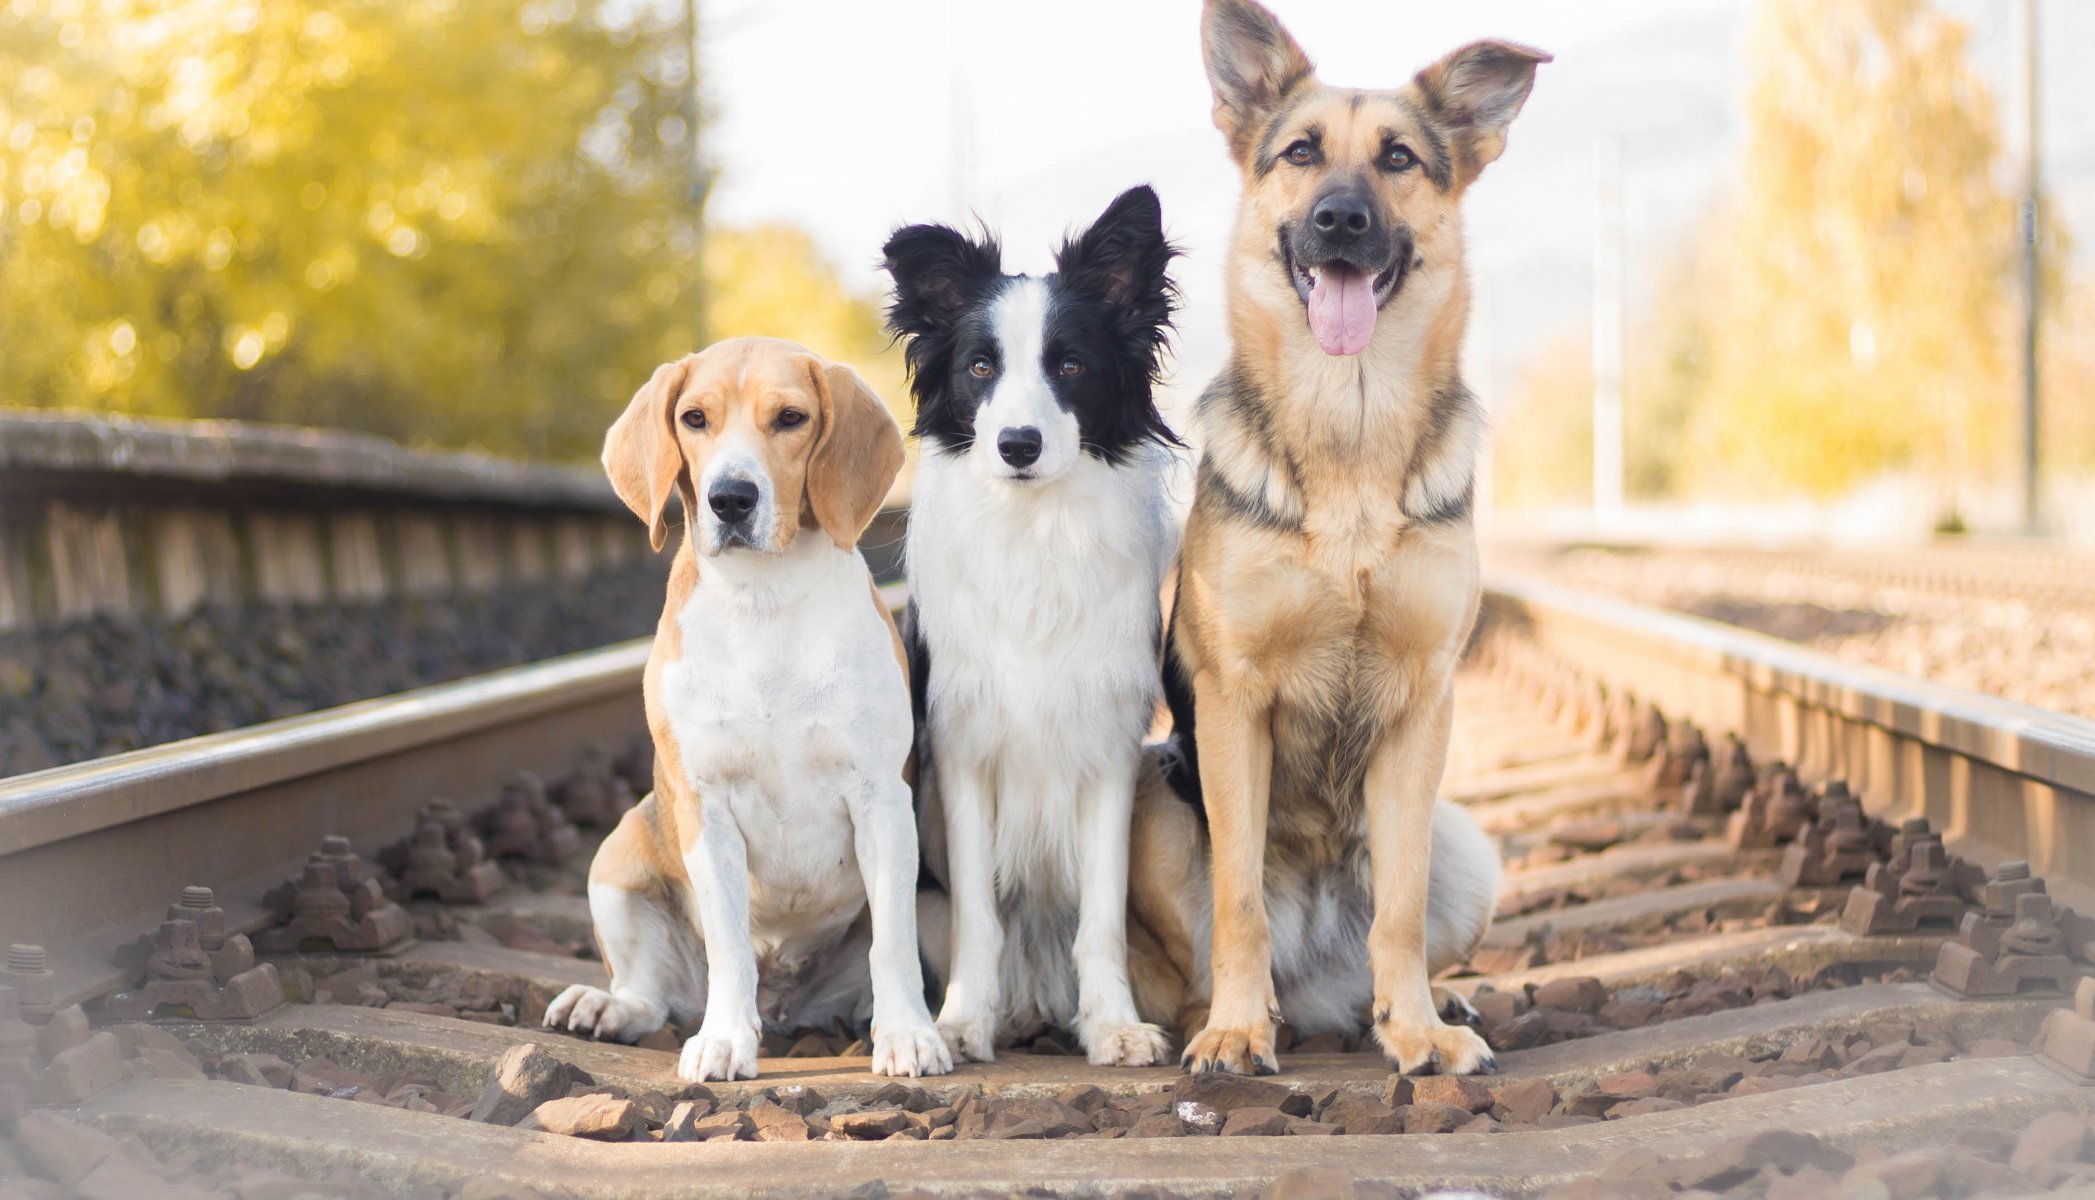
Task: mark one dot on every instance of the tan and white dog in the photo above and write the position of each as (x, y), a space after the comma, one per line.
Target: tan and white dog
(778, 697)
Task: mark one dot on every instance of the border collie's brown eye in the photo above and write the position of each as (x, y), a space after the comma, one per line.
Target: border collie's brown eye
(1397, 158)
(981, 368)
(1301, 153)
(1071, 368)
(694, 418)
(789, 418)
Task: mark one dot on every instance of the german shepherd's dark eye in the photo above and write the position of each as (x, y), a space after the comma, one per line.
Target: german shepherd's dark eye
(1398, 158)
(981, 368)
(694, 418)
(790, 418)
(1070, 368)
(1300, 152)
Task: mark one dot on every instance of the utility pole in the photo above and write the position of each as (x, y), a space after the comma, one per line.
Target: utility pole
(1607, 329)
(2028, 231)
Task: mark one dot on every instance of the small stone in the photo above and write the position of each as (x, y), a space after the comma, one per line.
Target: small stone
(258, 1070)
(1586, 1100)
(1160, 1125)
(79, 1074)
(1631, 1085)
(1496, 1008)
(1297, 1127)
(1909, 1176)
(1994, 1048)
(1255, 1122)
(524, 1078)
(1457, 1091)
(775, 1123)
(1085, 1098)
(1739, 1159)
(725, 1126)
(795, 1098)
(870, 1125)
(597, 1116)
(1225, 1093)
(1524, 1102)
(1359, 1114)
(59, 1149)
(1642, 1107)
(2053, 1138)
(1876, 1062)
(1581, 995)
(1435, 1118)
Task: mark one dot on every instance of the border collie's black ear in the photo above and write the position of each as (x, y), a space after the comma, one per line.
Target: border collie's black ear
(1122, 258)
(937, 271)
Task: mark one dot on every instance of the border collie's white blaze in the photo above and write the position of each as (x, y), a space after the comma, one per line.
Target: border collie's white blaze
(1038, 540)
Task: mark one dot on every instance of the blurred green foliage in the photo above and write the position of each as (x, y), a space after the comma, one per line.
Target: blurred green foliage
(456, 222)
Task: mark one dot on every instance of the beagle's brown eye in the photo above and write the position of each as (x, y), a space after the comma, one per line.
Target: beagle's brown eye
(694, 418)
(789, 418)
(1301, 153)
(1397, 158)
(1071, 368)
(981, 368)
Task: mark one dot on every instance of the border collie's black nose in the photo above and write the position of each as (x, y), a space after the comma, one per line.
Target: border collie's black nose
(1020, 447)
(1342, 215)
(732, 500)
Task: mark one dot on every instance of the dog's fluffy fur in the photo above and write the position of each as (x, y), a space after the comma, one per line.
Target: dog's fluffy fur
(1035, 566)
(1328, 579)
(770, 876)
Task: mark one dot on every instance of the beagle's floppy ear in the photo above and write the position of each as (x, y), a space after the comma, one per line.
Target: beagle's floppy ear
(641, 454)
(858, 453)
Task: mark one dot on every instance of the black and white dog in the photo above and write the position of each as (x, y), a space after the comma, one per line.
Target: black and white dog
(1039, 536)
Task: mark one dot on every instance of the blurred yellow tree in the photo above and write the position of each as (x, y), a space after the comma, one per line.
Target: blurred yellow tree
(772, 281)
(462, 222)
(1542, 451)
(1865, 269)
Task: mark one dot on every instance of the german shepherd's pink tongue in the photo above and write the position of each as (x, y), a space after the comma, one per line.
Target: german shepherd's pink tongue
(1341, 308)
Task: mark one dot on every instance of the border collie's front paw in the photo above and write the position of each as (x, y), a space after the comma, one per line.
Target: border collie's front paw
(968, 1036)
(912, 1051)
(594, 1012)
(1131, 1045)
(709, 1056)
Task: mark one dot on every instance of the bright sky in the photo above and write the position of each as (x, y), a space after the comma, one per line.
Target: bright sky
(848, 117)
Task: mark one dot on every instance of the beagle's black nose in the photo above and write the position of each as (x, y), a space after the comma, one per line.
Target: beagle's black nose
(732, 500)
(1020, 447)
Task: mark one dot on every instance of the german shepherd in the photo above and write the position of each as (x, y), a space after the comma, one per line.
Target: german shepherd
(1328, 576)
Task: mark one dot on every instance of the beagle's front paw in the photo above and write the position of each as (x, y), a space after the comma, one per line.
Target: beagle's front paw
(710, 1055)
(913, 1051)
(1238, 1051)
(1135, 1044)
(970, 1036)
(594, 1012)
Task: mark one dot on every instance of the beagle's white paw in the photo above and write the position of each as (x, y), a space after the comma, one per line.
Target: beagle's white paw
(708, 1056)
(912, 1051)
(594, 1012)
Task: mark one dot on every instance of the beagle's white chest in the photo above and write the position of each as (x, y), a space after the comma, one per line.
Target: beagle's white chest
(789, 709)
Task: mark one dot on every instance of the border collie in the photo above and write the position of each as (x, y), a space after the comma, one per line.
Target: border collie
(1038, 541)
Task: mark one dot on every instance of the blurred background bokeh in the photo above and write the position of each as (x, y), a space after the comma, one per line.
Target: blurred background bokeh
(479, 223)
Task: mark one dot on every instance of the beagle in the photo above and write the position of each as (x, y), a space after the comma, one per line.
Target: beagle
(778, 698)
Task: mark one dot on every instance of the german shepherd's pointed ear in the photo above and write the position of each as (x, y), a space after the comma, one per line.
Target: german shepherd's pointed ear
(858, 453)
(641, 454)
(937, 271)
(1123, 258)
(1477, 91)
(1252, 66)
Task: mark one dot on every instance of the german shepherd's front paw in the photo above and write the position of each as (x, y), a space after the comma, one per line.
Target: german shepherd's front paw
(1434, 1047)
(1243, 1051)
(711, 1055)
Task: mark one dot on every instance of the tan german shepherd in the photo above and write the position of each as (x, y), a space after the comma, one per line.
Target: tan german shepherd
(1328, 580)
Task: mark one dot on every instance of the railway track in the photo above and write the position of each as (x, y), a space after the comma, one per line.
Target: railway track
(1680, 982)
